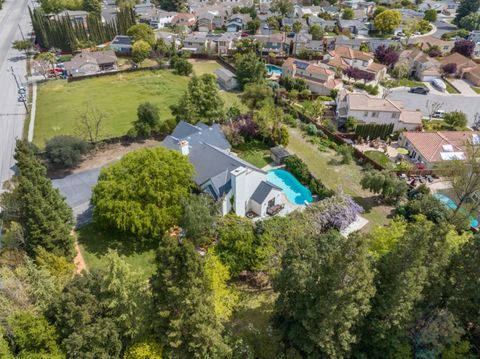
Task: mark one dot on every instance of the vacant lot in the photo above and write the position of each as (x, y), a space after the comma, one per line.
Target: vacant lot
(326, 167)
(60, 103)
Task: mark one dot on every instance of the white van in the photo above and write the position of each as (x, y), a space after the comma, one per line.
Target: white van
(439, 85)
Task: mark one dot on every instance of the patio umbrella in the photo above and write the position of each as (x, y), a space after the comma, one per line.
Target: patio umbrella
(402, 151)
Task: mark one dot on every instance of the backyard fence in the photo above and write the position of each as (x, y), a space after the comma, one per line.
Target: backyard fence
(111, 73)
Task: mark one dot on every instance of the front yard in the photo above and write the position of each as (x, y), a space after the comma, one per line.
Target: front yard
(325, 166)
(59, 103)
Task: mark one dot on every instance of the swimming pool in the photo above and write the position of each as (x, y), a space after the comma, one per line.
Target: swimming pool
(272, 69)
(450, 204)
(294, 190)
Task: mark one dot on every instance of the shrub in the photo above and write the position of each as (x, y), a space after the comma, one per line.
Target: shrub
(290, 120)
(300, 170)
(65, 151)
(312, 129)
(450, 68)
(456, 119)
(346, 152)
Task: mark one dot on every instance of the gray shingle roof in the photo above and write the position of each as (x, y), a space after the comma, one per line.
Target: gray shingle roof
(262, 191)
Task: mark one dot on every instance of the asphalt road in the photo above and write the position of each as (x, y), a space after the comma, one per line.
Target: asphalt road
(442, 28)
(12, 112)
(468, 104)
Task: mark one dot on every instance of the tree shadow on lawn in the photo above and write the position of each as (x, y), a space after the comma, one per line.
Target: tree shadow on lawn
(369, 203)
(98, 241)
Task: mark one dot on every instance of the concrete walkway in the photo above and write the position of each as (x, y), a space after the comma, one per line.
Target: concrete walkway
(463, 86)
(359, 223)
(33, 111)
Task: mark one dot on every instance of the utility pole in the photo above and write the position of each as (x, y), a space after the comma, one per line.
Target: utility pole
(21, 32)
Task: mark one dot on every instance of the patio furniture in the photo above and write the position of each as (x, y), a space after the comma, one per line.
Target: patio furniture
(275, 209)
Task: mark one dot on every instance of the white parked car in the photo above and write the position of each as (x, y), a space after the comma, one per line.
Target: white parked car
(439, 85)
(439, 114)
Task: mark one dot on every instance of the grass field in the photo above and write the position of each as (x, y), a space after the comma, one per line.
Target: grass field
(255, 152)
(476, 89)
(95, 242)
(380, 158)
(326, 167)
(59, 103)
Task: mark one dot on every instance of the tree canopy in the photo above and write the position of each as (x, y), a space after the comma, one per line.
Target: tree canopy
(387, 21)
(142, 193)
(250, 69)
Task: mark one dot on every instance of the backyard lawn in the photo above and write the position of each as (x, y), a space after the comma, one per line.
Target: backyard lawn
(326, 167)
(254, 152)
(59, 103)
(380, 158)
(95, 242)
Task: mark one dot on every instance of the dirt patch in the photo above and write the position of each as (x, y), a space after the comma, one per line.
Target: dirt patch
(103, 155)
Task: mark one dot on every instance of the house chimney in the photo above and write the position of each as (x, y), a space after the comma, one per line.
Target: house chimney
(184, 147)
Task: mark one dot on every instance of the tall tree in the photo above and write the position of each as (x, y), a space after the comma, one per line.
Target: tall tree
(466, 8)
(185, 318)
(201, 101)
(142, 193)
(387, 21)
(325, 286)
(283, 7)
(250, 69)
(199, 218)
(45, 217)
(148, 120)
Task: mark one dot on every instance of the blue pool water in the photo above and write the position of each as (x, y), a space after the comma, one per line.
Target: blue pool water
(450, 204)
(294, 190)
(272, 69)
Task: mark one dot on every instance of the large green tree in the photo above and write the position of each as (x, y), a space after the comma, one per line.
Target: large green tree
(283, 7)
(387, 21)
(250, 69)
(45, 217)
(324, 287)
(142, 193)
(201, 101)
(142, 32)
(185, 319)
(148, 120)
(466, 8)
(199, 219)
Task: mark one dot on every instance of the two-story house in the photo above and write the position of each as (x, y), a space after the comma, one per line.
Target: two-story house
(238, 22)
(196, 42)
(184, 20)
(320, 80)
(158, 19)
(226, 43)
(275, 43)
(344, 57)
(420, 65)
(369, 109)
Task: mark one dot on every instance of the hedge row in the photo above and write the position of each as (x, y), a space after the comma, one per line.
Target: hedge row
(300, 170)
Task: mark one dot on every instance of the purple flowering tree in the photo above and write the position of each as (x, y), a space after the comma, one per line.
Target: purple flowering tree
(357, 74)
(464, 47)
(239, 129)
(336, 212)
(450, 68)
(386, 55)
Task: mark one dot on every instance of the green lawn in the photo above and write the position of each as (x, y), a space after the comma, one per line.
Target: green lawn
(201, 67)
(450, 88)
(380, 158)
(95, 242)
(255, 152)
(59, 103)
(325, 166)
(476, 89)
(409, 83)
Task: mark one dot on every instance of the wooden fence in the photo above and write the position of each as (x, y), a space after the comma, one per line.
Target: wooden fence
(111, 73)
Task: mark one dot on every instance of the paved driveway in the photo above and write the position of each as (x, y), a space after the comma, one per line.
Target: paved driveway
(464, 87)
(77, 190)
(468, 104)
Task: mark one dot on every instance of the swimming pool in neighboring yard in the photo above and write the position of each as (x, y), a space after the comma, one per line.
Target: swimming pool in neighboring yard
(450, 204)
(272, 69)
(296, 192)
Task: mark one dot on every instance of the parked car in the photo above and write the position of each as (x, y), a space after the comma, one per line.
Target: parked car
(22, 98)
(439, 114)
(22, 90)
(420, 90)
(439, 84)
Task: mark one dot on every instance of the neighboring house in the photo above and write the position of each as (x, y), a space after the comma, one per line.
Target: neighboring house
(238, 22)
(327, 25)
(433, 148)
(183, 19)
(77, 17)
(464, 64)
(476, 51)
(158, 19)
(121, 45)
(426, 42)
(168, 38)
(226, 43)
(226, 79)
(473, 76)
(356, 27)
(303, 41)
(236, 184)
(205, 21)
(374, 43)
(301, 11)
(143, 8)
(87, 63)
(420, 65)
(196, 42)
(369, 109)
(342, 40)
(320, 80)
(275, 43)
(344, 57)
(474, 36)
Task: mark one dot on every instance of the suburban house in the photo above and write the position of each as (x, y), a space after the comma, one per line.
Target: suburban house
(275, 43)
(226, 79)
(433, 148)
(238, 186)
(344, 57)
(238, 22)
(168, 38)
(426, 42)
(464, 65)
(356, 27)
(87, 63)
(301, 11)
(196, 42)
(327, 25)
(158, 19)
(320, 80)
(303, 41)
(211, 19)
(369, 109)
(420, 65)
(184, 19)
(77, 17)
(121, 45)
(226, 43)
